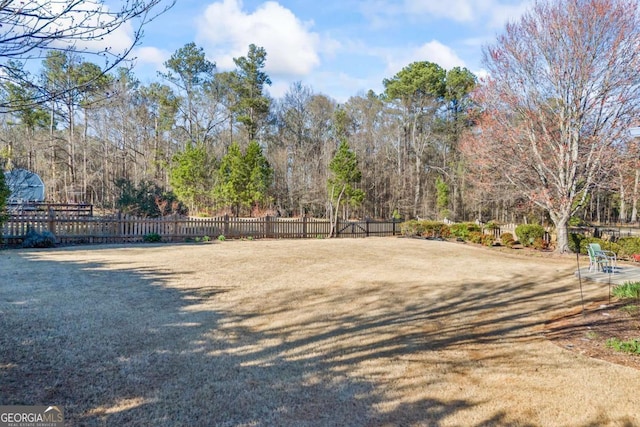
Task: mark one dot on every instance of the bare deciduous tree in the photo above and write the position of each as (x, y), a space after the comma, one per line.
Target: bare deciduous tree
(564, 86)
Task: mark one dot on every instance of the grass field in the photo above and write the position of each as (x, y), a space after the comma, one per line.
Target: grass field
(358, 332)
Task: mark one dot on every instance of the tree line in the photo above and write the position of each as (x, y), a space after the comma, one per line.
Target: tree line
(218, 142)
(543, 138)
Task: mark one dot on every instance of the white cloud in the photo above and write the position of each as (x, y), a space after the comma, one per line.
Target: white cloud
(226, 31)
(278, 88)
(151, 56)
(433, 51)
(503, 13)
(110, 34)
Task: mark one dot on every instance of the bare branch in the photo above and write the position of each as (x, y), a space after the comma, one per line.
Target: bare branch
(28, 30)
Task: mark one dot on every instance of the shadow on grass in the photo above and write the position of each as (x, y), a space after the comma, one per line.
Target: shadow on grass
(120, 346)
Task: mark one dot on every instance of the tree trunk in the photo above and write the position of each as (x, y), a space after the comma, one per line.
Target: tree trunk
(634, 200)
(71, 149)
(560, 221)
(85, 169)
(623, 202)
(52, 142)
(156, 149)
(333, 232)
(416, 194)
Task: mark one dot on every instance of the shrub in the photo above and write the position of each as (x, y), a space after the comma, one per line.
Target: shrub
(575, 242)
(609, 246)
(488, 240)
(414, 228)
(474, 237)
(480, 238)
(151, 238)
(409, 228)
(628, 246)
(34, 239)
(464, 229)
(540, 244)
(507, 240)
(435, 229)
(147, 199)
(221, 238)
(528, 233)
(579, 242)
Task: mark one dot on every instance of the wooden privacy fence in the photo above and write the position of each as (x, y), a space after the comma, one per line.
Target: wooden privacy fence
(123, 228)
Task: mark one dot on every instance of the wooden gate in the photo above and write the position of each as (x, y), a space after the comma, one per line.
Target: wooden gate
(367, 228)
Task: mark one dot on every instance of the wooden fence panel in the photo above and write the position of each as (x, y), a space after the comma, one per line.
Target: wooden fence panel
(123, 228)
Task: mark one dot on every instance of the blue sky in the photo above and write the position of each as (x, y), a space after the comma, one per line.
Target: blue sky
(339, 48)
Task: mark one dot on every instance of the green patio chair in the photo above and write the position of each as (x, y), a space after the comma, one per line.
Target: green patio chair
(601, 260)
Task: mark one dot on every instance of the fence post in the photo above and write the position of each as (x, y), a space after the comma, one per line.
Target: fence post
(272, 226)
(304, 227)
(174, 238)
(393, 221)
(52, 221)
(226, 225)
(268, 227)
(366, 232)
(120, 228)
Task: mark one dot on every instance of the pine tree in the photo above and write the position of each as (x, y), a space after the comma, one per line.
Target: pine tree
(243, 180)
(192, 176)
(344, 174)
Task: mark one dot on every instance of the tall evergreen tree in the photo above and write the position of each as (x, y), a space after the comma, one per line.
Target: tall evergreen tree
(420, 89)
(190, 71)
(252, 106)
(243, 179)
(231, 178)
(192, 176)
(259, 174)
(345, 173)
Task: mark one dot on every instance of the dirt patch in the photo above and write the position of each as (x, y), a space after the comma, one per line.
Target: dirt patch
(359, 332)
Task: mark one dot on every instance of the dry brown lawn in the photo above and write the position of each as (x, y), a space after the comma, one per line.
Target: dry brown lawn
(358, 332)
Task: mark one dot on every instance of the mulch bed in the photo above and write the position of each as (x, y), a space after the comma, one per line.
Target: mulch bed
(587, 332)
